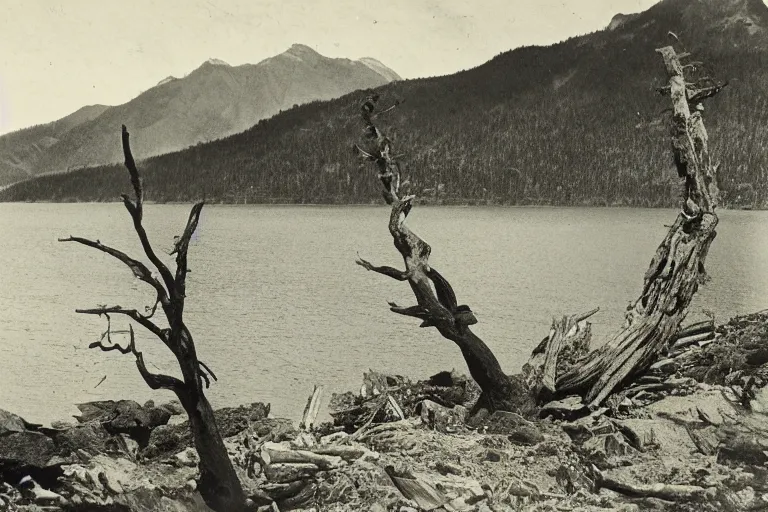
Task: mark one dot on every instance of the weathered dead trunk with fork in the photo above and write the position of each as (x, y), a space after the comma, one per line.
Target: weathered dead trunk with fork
(218, 485)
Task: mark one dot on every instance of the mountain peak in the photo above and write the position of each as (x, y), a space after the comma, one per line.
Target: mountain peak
(167, 79)
(216, 62)
(302, 51)
(619, 20)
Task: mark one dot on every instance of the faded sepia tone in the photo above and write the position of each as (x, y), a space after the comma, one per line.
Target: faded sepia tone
(222, 225)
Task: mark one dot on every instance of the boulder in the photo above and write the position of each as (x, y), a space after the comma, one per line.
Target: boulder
(601, 449)
(569, 408)
(440, 418)
(167, 440)
(91, 437)
(526, 435)
(28, 453)
(10, 422)
(124, 417)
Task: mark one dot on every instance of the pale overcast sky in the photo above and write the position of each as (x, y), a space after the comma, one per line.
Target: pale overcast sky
(57, 56)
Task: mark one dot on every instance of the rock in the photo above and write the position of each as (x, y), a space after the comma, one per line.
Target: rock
(607, 446)
(167, 440)
(742, 447)
(503, 422)
(112, 485)
(440, 418)
(447, 468)
(24, 450)
(128, 446)
(493, 455)
(285, 473)
(91, 437)
(124, 417)
(568, 408)
(760, 402)
(667, 436)
(571, 478)
(174, 408)
(526, 435)
(39, 495)
(10, 422)
(188, 457)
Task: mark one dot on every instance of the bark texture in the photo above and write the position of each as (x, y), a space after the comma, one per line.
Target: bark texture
(677, 268)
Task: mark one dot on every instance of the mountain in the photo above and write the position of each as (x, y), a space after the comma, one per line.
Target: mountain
(579, 122)
(213, 101)
(20, 150)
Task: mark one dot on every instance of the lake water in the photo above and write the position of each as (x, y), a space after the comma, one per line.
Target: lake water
(276, 303)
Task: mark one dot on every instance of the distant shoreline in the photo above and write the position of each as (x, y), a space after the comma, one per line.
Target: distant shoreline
(427, 203)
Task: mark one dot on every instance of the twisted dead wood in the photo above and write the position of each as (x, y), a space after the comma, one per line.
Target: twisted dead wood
(436, 301)
(677, 268)
(219, 485)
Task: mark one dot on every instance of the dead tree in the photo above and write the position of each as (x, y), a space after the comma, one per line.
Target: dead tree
(677, 268)
(219, 485)
(652, 321)
(436, 301)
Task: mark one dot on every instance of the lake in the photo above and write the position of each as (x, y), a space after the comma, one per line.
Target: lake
(276, 303)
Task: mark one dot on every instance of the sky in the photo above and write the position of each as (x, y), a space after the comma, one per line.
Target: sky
(57, 56)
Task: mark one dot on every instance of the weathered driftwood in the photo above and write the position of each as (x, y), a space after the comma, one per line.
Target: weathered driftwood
(669, 492)
(567, 342)
(676, 269)
(274, 454)
(218, 484)
(436, 301)
(312, 409)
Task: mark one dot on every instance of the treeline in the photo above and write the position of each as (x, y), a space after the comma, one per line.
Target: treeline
(577, 123)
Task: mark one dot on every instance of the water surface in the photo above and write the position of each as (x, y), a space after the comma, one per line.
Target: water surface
(277, 304)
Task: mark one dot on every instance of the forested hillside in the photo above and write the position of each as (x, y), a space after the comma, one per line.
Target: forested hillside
(577, 123)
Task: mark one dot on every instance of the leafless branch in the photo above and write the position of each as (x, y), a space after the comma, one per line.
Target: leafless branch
(130, 313)
(136, 210)
(182, 246)
(153, 380)
(138, 268)
(394, 273)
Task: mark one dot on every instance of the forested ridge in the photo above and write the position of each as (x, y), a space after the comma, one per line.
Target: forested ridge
(576, 123)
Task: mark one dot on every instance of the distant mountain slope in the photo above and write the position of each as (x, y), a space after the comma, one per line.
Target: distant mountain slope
(213, 101)
(20, 151)
(579, 122)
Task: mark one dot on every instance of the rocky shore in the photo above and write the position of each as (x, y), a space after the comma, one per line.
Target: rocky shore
(691, 434)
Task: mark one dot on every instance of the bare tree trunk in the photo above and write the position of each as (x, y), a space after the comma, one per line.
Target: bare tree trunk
(676, 269)
(672, 280)
(436, 301)
(219, 485)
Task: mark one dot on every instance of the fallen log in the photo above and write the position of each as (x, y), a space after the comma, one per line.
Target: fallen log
(669, 492)
(697, 328)
(275, 454)
(687, 341)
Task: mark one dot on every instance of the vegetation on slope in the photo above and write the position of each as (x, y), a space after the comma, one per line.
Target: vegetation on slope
(507, 132)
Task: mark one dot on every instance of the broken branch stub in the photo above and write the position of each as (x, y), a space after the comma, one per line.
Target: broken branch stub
(436, 301)
(677, 268)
